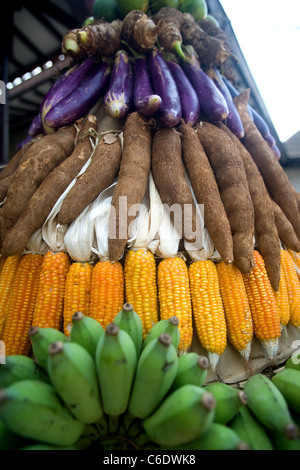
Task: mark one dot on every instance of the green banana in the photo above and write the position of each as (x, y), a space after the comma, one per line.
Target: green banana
(216, 437)
(156, 370)
(228, 399)
(41, 338)
(73, 373)
(192, 369)
(18, 367)
(127, 319)
(169, 326)
(293, 362)
(10, 440)
(288, 382)
(250, 430)
(86, 331)
(34, 410)
(182, 417)
(269, 405)
(281, 442)
(116, 361)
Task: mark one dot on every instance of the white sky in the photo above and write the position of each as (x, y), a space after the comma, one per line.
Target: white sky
(268, 32)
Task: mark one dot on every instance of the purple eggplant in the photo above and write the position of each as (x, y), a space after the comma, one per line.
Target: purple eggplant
(233, 120)
(212, 102)
(235, 93)
(260, 123)
(165, 86)
(190, 104)
(35, 126)
(144, 99)
(64, 85)
(79, 102)
(118, 99)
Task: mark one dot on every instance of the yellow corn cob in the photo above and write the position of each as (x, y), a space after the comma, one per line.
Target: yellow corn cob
(107, 291)
(264, 310)
(208, 310)
(2, 261)
(236, 307)
(282, 298)
(296, 258)
(140, 286)
(48, 312)
(77, 293)
(175, 298)
(7, 278)
(293, 287)
(21, 305)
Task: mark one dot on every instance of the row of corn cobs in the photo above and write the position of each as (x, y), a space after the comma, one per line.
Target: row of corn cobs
(211, 300)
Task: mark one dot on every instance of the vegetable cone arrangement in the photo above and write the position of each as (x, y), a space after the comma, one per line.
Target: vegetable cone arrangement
(146, 212)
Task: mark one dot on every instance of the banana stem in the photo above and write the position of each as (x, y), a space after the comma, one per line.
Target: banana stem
(127, 421)
(102, 425)
(113, 424)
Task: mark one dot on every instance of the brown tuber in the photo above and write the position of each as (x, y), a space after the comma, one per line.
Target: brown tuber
(275, 178)
(41, 158)
(206, 191)
(101, 38)
(140, 31)
(51, 188)
(231, 178)
(169, 178)
(210, 50)
(132, 182)
(266, 235)
(99, 175)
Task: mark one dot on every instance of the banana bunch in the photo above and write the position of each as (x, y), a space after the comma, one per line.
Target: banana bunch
(82, 390)
(111, 389)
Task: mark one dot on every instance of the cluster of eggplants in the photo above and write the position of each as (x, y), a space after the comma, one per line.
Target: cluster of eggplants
(85, 94)
(260, 123)
(151, 84)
